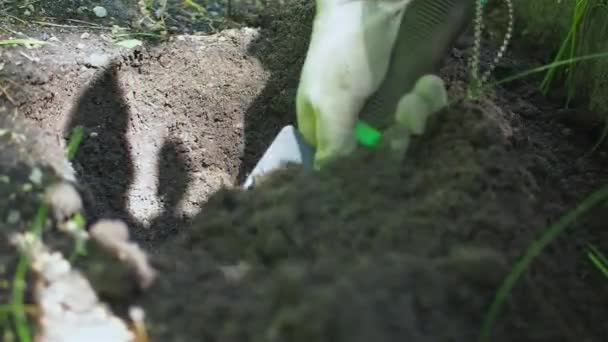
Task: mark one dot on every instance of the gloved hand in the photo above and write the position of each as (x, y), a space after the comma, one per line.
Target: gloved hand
(428, 97)
(347, 60)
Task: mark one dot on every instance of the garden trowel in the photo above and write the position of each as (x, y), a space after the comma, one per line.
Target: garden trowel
(427, 31)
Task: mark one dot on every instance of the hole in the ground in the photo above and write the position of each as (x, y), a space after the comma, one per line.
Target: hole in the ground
(160, 136)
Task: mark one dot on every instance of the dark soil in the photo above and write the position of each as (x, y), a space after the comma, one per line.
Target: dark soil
(365, 250)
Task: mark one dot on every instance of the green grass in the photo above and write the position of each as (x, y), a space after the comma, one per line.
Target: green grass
(598, 260)
(579, 40)
(80, 222)
(79, 245)
(74, 142)
(550, 66)
(28, 43)
(571, 59)
(583, 32)
(19, 285)
(537, 70)
(569, 47)
(549, 235)
(535, 249)
(193, 5)
(17, 306)
(598, 197)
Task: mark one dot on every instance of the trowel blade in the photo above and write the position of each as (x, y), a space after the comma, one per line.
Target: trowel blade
(287, 147)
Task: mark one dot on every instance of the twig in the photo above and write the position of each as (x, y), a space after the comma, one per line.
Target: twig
(45, 23)
(31, 59)
(11, 31)
(6, 94)
(16, 18)
(88, 23)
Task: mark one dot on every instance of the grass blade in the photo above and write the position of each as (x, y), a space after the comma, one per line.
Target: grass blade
(533, 251)
(28, 43)
(598, 259)
(548, 66)
(75, 140)
(579, 12)
(546, 83)
(18, 289)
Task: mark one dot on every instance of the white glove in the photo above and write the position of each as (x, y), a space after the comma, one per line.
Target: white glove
(347, 60)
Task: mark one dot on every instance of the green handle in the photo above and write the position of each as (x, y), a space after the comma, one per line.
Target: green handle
(367, 135)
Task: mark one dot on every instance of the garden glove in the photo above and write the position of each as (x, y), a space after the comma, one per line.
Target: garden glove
(413, 112)
(347, 59)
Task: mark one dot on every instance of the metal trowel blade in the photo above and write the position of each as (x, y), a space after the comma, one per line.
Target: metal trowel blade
(287, 147)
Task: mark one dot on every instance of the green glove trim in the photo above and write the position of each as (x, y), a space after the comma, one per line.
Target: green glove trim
(367, 135)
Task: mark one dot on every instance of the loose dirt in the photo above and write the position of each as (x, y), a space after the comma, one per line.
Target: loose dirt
(365, 250)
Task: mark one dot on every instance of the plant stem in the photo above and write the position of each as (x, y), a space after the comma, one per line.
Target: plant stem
(18, 290)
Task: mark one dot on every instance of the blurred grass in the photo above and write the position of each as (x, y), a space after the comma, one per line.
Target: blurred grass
(28, 43)
(598, 197)
(17, 309)
(569, 28)
(598, 259)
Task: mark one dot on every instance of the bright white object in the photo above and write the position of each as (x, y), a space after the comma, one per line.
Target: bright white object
(287, 147)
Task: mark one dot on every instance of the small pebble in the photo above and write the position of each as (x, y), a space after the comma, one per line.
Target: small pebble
(36, 176)
(105, 38)
(80, 46)
(85, 35)
(100, 12)
(98, 60)
(65, 200)
(13, 217)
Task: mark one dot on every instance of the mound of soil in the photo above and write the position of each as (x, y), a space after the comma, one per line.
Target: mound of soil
(365, 251)
(372, 250)
(368, 249)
